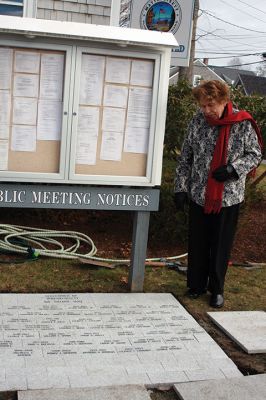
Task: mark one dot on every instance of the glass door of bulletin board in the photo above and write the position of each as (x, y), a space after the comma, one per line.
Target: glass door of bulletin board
(114, 107)
(33, 99)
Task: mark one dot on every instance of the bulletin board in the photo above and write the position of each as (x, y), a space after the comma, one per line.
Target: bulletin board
(31, 101)
(114, 114)
(72, 113)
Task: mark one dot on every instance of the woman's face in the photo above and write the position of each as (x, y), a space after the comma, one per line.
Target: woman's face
(212, 108)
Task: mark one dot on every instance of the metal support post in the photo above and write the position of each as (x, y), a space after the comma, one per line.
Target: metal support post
(139, 249)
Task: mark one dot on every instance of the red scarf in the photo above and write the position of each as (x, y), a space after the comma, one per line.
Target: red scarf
(214, 189)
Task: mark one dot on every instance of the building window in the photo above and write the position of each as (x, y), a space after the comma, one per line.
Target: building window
(14, 8)
(18, 8)
(196, 80)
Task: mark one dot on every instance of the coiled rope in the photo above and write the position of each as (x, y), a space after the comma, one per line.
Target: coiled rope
(41, 240)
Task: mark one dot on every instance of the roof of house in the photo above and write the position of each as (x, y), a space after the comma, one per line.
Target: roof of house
(205, 71)
(229, 74)
(252, 84)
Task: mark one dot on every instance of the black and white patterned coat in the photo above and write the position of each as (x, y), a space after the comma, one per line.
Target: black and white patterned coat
(244, 154)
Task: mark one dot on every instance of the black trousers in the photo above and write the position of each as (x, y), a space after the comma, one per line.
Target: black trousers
(210, 241)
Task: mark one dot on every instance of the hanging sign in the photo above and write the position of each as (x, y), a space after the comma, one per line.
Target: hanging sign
(173, 16)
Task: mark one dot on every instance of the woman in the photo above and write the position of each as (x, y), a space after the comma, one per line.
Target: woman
(222, 146)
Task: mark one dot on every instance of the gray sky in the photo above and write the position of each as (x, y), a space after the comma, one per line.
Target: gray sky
(222, 37)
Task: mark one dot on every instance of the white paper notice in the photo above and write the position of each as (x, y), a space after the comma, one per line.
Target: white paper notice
(115, 96)
(88, 120)
(27, 61)
(26, 85)
(24, 111)
(5, 100)
(91, 82)
(23, 138)
(142, 73)
(49, 124)
(52, 73)
(3, 155)
(136, 140)
(117, 70)
(139, 107)
(138, 120)
(4, 131)
(88, 128)
(111, 148)
(113, 119)
(5, 68)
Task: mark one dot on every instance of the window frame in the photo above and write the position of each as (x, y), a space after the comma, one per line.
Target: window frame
(196, 80)
(29, 7)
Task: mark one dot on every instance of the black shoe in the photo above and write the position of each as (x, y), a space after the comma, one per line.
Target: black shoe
(194, 293)
(217, 300)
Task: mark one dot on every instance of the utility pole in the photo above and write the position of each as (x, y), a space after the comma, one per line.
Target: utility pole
(186, 73)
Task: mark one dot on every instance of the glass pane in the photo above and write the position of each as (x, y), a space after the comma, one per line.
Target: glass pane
(16, 11)
(11, 1)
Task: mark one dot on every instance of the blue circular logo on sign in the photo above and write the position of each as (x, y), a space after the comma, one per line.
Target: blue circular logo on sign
(161, 16)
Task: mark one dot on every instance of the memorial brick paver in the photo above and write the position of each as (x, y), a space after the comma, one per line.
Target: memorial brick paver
(132, 392)
(93, 339)
(247, 328)
(243, 388)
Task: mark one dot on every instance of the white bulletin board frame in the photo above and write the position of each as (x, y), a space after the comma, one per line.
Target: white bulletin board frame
(116, 179)
(74, 39)
(42, 176)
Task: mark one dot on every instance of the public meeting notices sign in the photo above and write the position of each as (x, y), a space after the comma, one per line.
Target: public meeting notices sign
(173, 16)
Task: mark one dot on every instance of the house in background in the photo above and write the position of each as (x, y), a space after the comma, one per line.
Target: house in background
(247, 80)
(230, 74)
(251, 84)
(84, 11)
(202, 71)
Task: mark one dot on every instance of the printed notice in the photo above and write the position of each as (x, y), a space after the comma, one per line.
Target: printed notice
(5, 68)
(24, 111)
(88, 120)
(88, 127)
(49, 120)
(117, 70)
(111, 148)
(27, 61)
(23, 138)
(3, 155)
(142, 73)
(91, 82)
(136, 140)
(86, 151)
(26, 85)
(4, 131)
(139, 107)
(52, 72)
(115, 96)
(113, 119)
(138, 120)
(5, 107)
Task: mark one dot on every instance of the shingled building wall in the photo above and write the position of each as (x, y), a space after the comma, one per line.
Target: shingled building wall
(85, 11)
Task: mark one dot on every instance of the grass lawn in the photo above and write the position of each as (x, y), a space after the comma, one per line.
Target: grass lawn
(245, 290)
